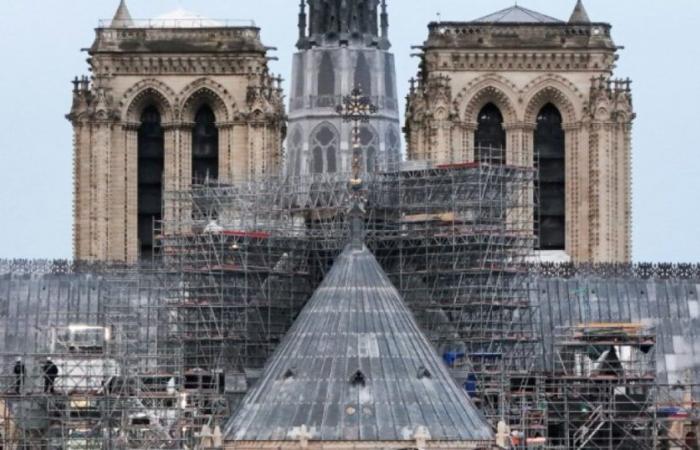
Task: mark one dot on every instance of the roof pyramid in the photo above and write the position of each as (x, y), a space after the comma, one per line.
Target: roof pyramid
(122, 18)
(580, 15)
(356, 367)
(517, 14)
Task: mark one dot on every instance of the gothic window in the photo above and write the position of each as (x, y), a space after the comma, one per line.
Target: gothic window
(326, 76)
(363, 75)
(325, 145)
(389, 87)
(369, 143)
(393, 144)
(295, 148)
(150, 149)
(490, 137)
(205, 146)
(549, 153)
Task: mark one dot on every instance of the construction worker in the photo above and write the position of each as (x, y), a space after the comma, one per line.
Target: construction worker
(50, 371)
(20, 371)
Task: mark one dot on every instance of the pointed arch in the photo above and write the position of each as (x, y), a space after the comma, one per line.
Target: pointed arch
(490, 95)
(551, 89)
(325, 146)
(490, 88)
(145, 93)
(205, 91)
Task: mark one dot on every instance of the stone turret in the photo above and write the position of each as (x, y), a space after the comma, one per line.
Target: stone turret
(580, 15)
(122, 18)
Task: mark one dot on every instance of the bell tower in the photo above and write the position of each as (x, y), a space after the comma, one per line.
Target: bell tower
(343, 44)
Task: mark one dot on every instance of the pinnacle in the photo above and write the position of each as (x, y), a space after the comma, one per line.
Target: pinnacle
(580, 15)
(122, 18)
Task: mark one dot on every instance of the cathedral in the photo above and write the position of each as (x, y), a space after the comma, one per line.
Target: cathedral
(250, 274)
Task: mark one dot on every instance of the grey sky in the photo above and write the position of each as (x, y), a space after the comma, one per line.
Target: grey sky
(40, 47)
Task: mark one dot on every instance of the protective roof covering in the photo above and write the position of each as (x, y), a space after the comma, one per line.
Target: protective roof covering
(580, 15)
(356, 367)
(122, 18)
(182, 18)
(517, 14)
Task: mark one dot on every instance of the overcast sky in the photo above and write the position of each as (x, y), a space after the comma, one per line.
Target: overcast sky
(40, 44)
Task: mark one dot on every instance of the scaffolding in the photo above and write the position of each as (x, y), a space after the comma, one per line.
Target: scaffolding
(162, 353)
(603, 393)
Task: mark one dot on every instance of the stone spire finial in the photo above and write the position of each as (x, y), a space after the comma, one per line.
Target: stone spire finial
(302, 20)
(384, 21)
(579, 15)
(122, 18)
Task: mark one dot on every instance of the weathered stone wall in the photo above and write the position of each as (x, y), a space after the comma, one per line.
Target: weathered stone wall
(177, 71)
(520, 68)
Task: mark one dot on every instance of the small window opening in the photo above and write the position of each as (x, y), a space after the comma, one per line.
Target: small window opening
(290, 373)
(358, 379)
(424, 373)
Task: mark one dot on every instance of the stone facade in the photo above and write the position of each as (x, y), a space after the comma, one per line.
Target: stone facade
(529, 68)
(135, 120)
(342, 46)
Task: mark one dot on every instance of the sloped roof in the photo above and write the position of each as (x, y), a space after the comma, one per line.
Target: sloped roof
(580, 15)
(356, 367)
(517, 14)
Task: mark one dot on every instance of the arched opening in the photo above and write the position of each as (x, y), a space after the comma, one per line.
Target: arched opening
(369, 142)
(550, 187)
(151, 150)
(363, 75)
(490, 136)
(295, 149)
(318, 160)
(326, 76)
(205, 146)
(389, 87)
(324, 143)
(393, 142)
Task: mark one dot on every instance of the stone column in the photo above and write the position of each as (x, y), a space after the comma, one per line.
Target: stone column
(470, 135)
(102, 184)
(239, 162)
(576, 189)
(177, 153)
(225, 156)
(117, 196)
(131, 192)
(520, 153)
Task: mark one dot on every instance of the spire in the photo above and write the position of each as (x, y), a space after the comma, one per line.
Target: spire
(385, 21)
(340, 19)
(579, 15)
(302, 20)
(122, 18)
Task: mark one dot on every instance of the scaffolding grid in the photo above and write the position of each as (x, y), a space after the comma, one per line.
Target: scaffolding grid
(164, 352)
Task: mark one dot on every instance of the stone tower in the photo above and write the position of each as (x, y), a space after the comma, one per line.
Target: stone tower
(171, 100)
(342, 44)
(540, 90)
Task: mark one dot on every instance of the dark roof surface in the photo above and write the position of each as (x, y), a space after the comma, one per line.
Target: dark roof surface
(517, 14)
(356, 367)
